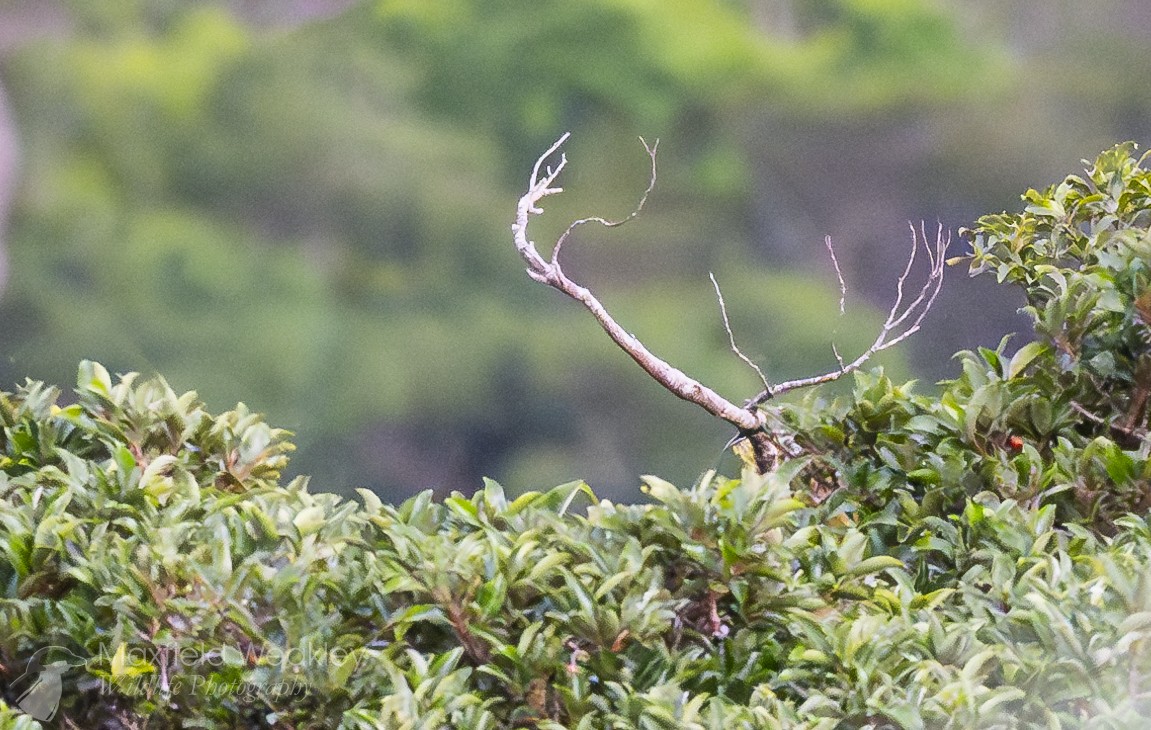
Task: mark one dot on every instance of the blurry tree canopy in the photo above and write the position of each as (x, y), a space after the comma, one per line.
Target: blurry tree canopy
(309, 211)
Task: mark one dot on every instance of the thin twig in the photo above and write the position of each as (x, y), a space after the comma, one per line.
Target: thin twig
(731, 335)
(651, 153)
(550, 151)
(839, 276)
(838, 357)
(1114, 426)
(1087, 414)
(842, 296)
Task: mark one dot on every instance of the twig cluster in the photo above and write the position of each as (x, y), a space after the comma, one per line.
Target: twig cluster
(903, 319)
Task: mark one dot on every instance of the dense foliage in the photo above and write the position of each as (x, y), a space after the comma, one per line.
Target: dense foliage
(975, 560)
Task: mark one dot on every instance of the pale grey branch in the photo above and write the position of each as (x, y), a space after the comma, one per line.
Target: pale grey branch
(903, 319)
(550, 273)
(651, 153)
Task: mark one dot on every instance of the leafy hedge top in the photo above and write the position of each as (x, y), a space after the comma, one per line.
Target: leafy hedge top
(966, 560)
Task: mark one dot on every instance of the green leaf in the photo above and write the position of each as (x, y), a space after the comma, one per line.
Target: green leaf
(340, 667)
(309, 520)
(464, 508)
(119, 661)
(1024, 357)
(372, 503)
(94, 377)
(874, 565)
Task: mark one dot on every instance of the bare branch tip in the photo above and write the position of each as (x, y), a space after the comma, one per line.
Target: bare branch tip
(838, 357)
(542, 158)
(838, 275)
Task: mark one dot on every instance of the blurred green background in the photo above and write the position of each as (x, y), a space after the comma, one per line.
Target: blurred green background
(305, 204)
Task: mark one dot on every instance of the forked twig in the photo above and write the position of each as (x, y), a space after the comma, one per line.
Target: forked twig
(903, 320)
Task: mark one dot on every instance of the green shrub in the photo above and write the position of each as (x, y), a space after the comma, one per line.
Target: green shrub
(978, 558)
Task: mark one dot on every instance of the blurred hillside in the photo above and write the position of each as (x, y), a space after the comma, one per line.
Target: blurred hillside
(305, 204)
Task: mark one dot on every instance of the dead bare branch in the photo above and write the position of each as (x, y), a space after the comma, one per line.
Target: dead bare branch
(903, 319)
(1130, 434)
(551, 273)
